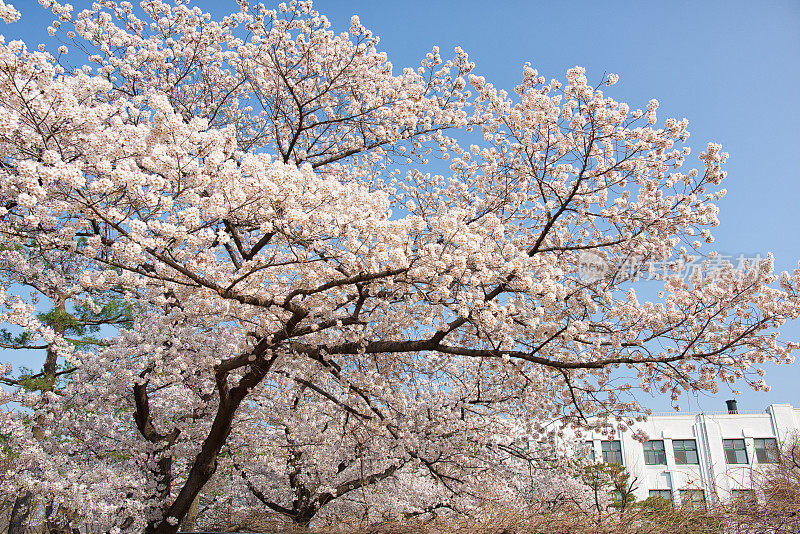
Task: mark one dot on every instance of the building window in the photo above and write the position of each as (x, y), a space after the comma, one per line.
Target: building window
(685, 451)
(743, 496)
(546, 451)
(662, 494)
(588, 451)
(654, 452)
(766, 450)
(612, 452)
(735, 453)
(693, 497)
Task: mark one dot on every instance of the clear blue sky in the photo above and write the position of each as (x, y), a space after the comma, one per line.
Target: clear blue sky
(730, 66)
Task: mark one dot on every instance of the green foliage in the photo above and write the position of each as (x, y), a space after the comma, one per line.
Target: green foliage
(14, 341)
(613, 478)
(86, 321)
(117, 455)
(79, 326)
(62, 321)
(5, 449)
(598, 476)
(115, 311)
(14, 246)
(656, 504)
(33, 382)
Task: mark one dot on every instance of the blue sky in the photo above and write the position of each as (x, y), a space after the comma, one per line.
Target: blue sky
(730, 66)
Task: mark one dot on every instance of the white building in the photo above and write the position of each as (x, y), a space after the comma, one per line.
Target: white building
(702, 456)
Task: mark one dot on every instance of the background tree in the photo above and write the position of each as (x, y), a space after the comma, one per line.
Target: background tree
(47, 277)
(775, 503)
(316, 454)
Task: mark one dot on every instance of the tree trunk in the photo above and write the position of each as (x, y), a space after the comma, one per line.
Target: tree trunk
(51, 360)
(24, 503)
(304, 516)
(189, 522)
(203, 468)
(20, 513)
(205, 464)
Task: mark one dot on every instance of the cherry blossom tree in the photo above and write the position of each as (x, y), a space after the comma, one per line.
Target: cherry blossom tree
(283, 210)
(322, 454)
(74, 319)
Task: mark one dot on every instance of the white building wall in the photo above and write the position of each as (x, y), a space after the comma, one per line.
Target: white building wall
(712, 474)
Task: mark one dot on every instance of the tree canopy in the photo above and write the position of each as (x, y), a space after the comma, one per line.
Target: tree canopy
(312, 243)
